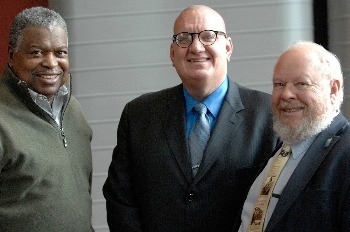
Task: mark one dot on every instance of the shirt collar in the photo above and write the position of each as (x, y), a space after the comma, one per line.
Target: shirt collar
(301, 147)
(63, 90)
(60, 99)
(213, 102)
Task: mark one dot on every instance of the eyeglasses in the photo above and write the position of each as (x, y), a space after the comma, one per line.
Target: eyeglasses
(206, 37)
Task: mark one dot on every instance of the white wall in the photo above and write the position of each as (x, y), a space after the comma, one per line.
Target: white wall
(120, 49)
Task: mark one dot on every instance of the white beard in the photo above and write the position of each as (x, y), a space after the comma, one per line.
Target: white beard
(309, 126)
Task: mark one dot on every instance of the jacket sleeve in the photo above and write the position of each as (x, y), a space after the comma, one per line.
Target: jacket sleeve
(345, 205)
(122, 209)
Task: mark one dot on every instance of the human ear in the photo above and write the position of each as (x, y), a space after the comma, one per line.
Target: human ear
(11, 52)
(172, 54)
(229, 48)
(335, 90)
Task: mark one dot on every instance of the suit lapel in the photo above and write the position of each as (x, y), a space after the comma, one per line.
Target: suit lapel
(174, 126)
(306, 169)
(222, 134)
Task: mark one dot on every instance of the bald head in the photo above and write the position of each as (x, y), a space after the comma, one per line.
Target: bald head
(199, 15)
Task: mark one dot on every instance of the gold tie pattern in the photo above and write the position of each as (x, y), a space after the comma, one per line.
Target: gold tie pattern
(257, 220)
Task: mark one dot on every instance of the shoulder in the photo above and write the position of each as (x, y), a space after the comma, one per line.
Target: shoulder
(75, 110)
(74, 116)
(74, 104)
(153, 108)
(248, 99)
(253, 94)
(160, 97)
(336, 138)
(344, 138)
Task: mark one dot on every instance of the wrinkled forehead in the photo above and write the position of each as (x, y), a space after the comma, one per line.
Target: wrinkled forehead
(198, 19)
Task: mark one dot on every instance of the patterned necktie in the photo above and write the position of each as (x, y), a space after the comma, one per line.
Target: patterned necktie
(199, 137)
(262, 203)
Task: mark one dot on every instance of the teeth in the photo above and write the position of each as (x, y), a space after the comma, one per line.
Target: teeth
(291, 110)
(48, 76)
(201, 60)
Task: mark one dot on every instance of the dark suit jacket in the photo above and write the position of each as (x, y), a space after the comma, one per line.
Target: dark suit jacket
(149, 185)
(317, 196)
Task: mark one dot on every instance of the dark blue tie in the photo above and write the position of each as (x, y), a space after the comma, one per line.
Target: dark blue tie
(199, 137)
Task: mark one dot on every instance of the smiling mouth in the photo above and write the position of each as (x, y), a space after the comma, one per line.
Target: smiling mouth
(292, 110)
(49, 77)
(198, 60)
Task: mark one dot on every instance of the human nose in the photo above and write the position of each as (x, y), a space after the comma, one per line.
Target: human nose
(196, 44)
(288, 92)
(50, 60)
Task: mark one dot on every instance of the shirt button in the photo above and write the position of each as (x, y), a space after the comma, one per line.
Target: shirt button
(190, 197)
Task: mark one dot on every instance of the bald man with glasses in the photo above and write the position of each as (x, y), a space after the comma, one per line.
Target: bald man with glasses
(186, 156)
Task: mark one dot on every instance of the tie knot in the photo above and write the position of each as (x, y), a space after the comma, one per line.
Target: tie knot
(200, 108)
(286, 150)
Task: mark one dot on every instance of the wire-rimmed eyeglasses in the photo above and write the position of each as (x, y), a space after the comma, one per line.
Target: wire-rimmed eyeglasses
(206, 37)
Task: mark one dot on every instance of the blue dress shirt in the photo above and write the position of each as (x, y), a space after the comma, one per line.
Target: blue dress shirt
(213, 102)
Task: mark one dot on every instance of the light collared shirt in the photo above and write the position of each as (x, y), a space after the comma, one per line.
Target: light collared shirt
(213, 102)
(298, 151)
(55, 109)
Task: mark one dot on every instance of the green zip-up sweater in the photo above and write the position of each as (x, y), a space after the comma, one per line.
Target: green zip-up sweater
(44, 185)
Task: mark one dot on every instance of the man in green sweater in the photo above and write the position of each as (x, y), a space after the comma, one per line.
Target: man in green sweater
(45, 141)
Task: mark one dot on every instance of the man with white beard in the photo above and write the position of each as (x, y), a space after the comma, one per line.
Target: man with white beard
(305, 186)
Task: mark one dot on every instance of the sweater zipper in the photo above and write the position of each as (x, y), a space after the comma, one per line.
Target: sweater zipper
(64, 137)
(65, 143)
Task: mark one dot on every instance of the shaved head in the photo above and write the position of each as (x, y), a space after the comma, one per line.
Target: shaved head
(198, 12)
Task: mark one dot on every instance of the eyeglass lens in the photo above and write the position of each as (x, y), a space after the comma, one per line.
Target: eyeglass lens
(206, 37)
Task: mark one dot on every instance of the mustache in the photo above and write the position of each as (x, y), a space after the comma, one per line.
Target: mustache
(288, 105)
